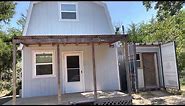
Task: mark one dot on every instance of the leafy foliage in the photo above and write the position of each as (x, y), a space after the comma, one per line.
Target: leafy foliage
(165, 8)
(22, 21)
(7, 10)
(6, 52)
(170, 29)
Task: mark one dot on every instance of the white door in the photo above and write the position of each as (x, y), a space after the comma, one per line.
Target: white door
(171, 78)
(73, 72)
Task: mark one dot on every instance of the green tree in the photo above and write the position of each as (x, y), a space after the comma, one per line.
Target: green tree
(22, 21)
(4, 54)
(7, 10)
(6, 51)
(133, 33)
(165, 8)
(170, 29)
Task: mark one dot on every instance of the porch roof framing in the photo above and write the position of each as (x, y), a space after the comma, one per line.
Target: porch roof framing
(67, 39)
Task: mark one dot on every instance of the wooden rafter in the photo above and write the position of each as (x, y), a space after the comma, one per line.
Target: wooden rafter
(68, 39)
(64, 39)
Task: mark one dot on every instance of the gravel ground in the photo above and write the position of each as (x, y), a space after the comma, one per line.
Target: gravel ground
(158, 98)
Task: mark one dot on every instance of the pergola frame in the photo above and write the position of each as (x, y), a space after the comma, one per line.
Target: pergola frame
(69, 39)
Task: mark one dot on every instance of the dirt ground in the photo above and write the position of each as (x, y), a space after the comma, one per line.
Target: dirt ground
(158, 98)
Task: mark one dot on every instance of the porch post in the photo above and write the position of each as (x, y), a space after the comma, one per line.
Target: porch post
(127, 67)
(14, 74)
(58, 74)
(94, 72)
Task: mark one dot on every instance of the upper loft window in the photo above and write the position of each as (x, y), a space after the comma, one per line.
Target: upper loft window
(68, 11)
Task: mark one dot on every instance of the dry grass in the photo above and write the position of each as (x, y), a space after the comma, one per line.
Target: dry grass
(4, 92)
(183, 91)
(158, 98)
(183, 88)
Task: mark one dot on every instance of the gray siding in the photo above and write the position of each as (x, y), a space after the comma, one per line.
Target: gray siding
(45, 20)
(106, 67)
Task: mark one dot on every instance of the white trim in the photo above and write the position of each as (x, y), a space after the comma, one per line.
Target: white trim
(43, 63)
(140, 60)
(117, 65)
(28, 18)
(66, 53)
(156, 69)
(160, 69)
(59, 11)
(34, 52)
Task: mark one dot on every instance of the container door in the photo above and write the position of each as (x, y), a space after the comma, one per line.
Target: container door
(169, 63)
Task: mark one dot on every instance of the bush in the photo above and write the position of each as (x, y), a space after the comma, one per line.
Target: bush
(182, 81)
(5, 85)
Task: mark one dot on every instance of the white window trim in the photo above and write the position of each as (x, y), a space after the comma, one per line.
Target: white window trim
(140, 60)
(34, 63)
(59, 11)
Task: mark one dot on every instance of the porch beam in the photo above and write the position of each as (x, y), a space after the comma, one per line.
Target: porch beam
(127, 67)
(58, 74)
(14, 74)
(94, 72)
(70, 39)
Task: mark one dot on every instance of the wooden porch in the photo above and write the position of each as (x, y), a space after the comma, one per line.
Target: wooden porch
(55, 40)
(103, 97)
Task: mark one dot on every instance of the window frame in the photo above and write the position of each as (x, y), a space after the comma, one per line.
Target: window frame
(60, 11)
(140, 60)
(35, 64)
(73, 68)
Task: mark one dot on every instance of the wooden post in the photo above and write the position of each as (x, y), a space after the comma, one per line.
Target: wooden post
(58, 74)
(14, 74)
(127, 68)
(94, 72)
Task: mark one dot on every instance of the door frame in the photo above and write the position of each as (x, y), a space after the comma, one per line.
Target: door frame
(64, 53)
(156, 65)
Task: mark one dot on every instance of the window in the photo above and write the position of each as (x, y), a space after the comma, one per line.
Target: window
(68, 11)
(73, 68)
(138, 60)
(43, 64)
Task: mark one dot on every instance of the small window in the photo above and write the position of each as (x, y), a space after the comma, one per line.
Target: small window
(138, 60)
(68, 11)
(43, 63)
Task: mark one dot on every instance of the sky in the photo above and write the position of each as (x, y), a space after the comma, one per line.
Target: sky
(121, 12)
(127, 12)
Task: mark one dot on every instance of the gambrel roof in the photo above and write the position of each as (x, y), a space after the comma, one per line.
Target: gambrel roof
(101, 3)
